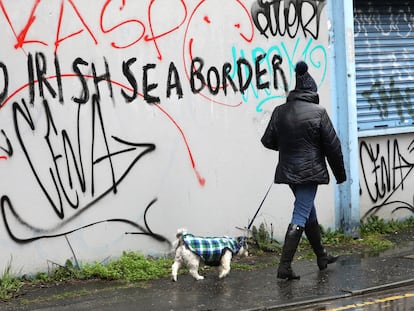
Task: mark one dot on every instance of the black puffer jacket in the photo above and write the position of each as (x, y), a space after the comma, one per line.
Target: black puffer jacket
(304, 135)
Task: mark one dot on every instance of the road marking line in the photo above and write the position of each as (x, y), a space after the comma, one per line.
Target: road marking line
(358, 305)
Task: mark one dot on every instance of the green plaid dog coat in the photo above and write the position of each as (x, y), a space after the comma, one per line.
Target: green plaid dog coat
(210, 249)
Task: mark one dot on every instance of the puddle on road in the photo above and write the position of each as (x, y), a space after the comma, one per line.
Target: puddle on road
(406, 249)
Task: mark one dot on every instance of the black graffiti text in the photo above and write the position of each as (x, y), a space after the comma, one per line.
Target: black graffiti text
(286, 18)
(66, 153)
(40, 76)
(385, 171)
(7, 147)
(216, 80)
(4, 82)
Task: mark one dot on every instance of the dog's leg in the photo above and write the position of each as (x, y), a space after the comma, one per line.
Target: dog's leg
(179, 260)
(225, 261)
(174, 269)
(193, 269)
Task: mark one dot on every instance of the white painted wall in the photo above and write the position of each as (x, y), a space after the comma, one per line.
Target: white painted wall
(208, 172)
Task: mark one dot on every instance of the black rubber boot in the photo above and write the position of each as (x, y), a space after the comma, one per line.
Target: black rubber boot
(292, 239)
(313, 233)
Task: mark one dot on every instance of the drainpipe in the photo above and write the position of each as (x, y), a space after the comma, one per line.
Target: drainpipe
(342, 73)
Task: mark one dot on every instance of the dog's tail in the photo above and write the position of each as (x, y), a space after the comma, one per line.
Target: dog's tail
(179, 240)
(181, 232)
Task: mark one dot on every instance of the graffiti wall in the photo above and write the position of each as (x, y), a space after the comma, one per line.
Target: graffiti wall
(387, 176)
(121, 121)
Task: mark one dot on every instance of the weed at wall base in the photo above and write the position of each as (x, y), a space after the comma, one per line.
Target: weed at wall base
(9, 284)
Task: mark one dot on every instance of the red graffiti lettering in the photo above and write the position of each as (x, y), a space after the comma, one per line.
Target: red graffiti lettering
(154, 37)
(124, 24)
(82, 20)
(73, 23)
(21, 38)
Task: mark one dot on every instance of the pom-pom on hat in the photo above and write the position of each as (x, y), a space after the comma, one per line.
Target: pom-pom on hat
(304, 80)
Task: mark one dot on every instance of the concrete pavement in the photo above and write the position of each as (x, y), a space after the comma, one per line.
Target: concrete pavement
(258, 289)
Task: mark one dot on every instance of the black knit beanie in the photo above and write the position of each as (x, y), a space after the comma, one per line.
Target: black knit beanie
(304, 81)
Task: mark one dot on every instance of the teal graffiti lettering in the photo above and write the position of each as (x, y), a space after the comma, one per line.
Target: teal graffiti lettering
(314, 54)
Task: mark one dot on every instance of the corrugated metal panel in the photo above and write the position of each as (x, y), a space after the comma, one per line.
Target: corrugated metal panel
(384, 60)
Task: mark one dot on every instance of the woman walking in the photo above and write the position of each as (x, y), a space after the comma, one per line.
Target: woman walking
(302, 132)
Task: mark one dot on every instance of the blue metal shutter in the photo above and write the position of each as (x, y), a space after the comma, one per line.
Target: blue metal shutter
(384, 60)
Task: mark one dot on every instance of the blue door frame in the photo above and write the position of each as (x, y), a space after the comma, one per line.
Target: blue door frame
(343, 86)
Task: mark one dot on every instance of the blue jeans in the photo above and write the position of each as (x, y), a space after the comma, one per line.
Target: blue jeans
(304, 208)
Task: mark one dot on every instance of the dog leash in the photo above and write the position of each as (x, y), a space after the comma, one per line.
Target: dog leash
(260, 206)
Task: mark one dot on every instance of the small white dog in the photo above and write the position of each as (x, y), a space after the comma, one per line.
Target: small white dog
(192, 251)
